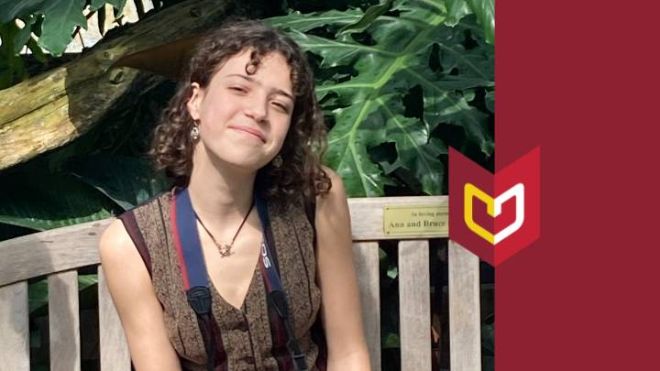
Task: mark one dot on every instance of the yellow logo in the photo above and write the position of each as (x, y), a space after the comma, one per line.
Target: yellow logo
(494, 208)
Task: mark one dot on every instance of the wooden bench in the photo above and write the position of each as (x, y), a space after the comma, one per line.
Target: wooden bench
(58, 254)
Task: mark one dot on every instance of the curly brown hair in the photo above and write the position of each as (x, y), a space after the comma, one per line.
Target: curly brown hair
(305, 142)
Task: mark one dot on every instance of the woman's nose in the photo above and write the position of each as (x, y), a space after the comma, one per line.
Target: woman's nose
(257, 108)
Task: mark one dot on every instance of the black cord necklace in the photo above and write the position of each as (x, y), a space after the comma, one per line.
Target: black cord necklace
(225, 249)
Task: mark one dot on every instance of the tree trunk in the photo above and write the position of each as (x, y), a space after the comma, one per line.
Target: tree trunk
(58, 106)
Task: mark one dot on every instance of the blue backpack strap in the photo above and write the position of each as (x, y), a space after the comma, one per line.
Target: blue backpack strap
(276, 295)
(193, 268)
(188, 244)
(272, 276)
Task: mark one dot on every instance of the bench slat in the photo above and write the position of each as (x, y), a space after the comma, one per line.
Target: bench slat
(113, 346)
(15, 348)
(464, 313)
(368, 268)
(415, 305)
(52, 251)
(367, 215)
(64, 321)
(67, 248)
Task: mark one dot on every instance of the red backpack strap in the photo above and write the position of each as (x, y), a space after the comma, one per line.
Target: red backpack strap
(128, 219)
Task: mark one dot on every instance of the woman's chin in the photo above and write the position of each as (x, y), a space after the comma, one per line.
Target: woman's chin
(238, 158)
(244, 163)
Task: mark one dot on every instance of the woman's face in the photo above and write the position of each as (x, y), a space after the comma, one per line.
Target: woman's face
(243, 119)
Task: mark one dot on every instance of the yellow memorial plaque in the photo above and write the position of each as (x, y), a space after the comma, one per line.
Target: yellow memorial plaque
(419, 220)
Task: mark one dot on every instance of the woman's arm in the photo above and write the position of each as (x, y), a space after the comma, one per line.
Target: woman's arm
(134, 297)
(340, 303)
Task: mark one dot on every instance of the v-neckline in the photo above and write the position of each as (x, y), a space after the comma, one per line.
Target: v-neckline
(255, 274)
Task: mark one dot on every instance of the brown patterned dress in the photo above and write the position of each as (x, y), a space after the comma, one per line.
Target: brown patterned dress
(252, 338)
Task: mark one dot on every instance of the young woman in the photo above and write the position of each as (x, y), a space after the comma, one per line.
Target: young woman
(242, 140)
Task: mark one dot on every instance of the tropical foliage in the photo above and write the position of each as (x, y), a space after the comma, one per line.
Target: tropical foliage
(41, 25)
(398, 81)
(372, 62)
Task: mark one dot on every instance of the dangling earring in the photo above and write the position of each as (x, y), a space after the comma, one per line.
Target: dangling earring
(277, 161)
(194, 132)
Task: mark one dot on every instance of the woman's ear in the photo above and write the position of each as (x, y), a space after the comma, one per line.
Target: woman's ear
(195, 100)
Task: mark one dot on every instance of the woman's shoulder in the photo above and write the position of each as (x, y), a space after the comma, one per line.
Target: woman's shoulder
(332, 212)
(118, 241)
(115, 244)
(336, 192)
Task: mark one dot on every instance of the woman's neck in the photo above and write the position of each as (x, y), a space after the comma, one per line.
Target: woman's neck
(220, 191)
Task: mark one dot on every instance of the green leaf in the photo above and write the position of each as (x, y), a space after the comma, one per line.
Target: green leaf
(12, 69)
(38, 295)
(391, 340)
(36, 50)
(303, 23)
(382, 255)
(393, 272)
(490, 101)
(128, 181)
(366, 106)
(361, 127)
(23, 35)
(12, 9)
(456, 10)
(43, 201)
(87, 280)
(417, 152)
(61, 17)
(98, 4)
(369, 16)
(485, 12)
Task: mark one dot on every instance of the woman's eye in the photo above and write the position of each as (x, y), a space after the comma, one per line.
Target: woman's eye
(281, 107)
(239, 89)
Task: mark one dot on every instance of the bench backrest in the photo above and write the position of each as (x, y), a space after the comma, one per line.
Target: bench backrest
(58, 254)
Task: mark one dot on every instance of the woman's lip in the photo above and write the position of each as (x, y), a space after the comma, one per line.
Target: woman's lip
(250, 130)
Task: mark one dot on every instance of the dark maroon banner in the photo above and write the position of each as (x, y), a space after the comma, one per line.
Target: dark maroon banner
(580, 79)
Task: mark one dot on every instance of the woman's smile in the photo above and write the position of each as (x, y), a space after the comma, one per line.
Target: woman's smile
(252, 132)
